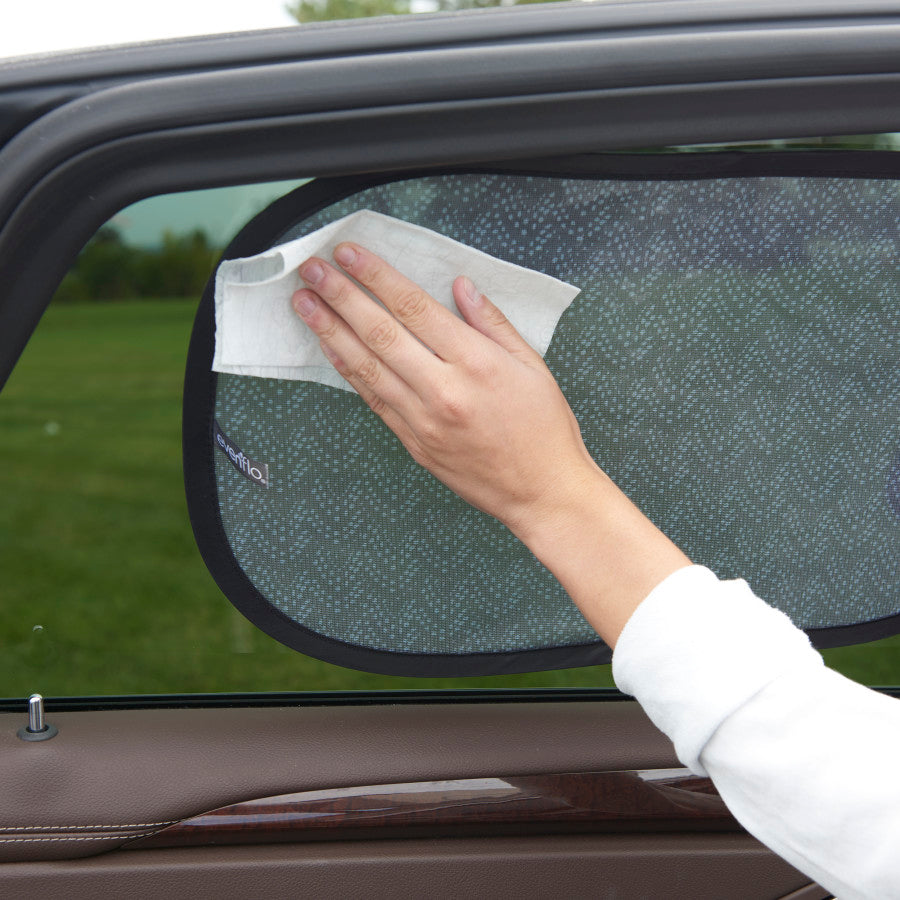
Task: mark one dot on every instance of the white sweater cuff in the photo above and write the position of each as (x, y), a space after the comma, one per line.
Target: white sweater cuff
(697, 649)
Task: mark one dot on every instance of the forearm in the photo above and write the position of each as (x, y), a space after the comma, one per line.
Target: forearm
(603, 550)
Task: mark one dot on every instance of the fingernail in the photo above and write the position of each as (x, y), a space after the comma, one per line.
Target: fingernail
(304, 303)
(471, 293)
(312, 273)
(345, 255)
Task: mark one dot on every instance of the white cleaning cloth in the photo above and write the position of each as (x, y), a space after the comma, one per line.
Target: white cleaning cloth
(258, 333)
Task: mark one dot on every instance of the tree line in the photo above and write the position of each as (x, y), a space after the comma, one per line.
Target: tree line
(327, 10)
(110, 269)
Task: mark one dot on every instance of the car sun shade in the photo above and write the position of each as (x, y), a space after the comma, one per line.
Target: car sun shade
(733, 359)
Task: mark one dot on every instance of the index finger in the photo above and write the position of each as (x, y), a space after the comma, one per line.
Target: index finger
(433, 324)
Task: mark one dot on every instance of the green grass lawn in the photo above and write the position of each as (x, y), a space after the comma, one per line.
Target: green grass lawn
(103, 590)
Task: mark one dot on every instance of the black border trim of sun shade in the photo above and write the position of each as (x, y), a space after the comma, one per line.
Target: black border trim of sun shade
(269, 226)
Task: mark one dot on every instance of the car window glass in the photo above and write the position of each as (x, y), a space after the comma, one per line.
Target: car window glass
(103, 590)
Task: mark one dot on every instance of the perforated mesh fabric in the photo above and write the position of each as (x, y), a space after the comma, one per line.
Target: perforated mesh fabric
(733, 359)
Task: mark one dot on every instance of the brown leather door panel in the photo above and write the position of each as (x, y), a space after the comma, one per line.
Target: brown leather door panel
(717, 867)
(110, 777)
(138, 770)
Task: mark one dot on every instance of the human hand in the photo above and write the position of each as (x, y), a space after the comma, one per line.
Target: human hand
(479, 409)
(475, 405)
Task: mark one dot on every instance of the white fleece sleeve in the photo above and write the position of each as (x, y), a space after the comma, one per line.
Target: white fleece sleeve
(806, 760)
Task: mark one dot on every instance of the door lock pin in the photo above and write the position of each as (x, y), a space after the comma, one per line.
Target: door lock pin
(36, 729)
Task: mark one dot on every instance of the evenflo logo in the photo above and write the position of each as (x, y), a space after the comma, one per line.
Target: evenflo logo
(256, 471)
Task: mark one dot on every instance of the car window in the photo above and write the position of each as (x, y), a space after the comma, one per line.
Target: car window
(104, 590)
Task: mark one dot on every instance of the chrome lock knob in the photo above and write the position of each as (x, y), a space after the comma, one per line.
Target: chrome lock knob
(36, 729)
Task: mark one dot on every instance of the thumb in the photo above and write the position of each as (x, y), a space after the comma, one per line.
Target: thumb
(483, 316)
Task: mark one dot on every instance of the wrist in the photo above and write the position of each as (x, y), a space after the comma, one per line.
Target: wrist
(584, 493)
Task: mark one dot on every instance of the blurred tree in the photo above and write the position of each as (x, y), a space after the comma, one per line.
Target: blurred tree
(110, 269)
(327, 10)
(179, 268)
(104, 269)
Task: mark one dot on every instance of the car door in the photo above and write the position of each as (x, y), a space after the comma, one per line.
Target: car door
(509, 792)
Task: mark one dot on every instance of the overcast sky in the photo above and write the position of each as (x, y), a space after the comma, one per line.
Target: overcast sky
(38, 26)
